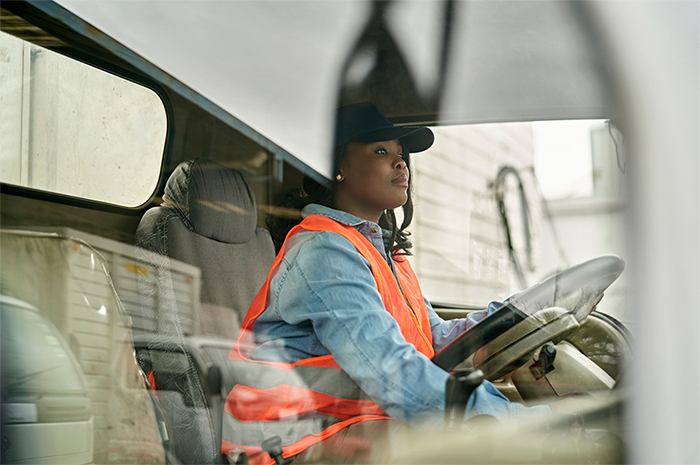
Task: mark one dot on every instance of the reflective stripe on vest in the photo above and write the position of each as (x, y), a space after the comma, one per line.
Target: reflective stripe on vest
(310, 400)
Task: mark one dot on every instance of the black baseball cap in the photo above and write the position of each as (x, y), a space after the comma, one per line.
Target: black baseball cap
(363, 122)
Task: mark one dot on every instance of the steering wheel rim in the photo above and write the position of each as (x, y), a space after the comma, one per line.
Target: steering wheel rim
(592, 277)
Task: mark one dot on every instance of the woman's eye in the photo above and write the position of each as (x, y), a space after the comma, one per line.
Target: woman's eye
(401, 155)
(381, 152)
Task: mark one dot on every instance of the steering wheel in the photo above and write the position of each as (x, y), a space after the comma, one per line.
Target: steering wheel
(544, 312)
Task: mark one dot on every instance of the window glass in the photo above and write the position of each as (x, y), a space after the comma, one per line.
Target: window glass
(72, 129)
(67, 348)
(561, 190)
(218, 354)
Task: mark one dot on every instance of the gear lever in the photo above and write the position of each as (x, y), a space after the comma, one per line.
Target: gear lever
(460, 386)
(273, 446)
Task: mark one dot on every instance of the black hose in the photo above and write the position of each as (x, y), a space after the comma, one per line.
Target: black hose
(525, 209)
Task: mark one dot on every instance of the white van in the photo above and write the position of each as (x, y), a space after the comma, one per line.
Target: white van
(46, 410)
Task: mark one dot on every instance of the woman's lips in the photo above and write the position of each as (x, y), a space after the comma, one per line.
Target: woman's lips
(401, 181)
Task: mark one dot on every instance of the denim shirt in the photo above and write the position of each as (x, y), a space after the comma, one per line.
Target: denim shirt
(324, 300)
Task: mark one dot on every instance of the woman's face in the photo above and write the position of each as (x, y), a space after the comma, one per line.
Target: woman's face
(374, 179)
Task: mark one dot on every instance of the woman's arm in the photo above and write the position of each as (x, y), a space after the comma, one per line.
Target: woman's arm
(445, 331)
(326, 282)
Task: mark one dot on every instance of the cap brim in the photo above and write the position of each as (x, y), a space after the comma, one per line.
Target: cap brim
(414, 139)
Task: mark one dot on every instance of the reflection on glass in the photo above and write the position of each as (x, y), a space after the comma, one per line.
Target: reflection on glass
(36, 359)
(68, 362)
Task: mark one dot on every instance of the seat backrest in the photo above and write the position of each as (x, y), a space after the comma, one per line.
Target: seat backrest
(208, 218)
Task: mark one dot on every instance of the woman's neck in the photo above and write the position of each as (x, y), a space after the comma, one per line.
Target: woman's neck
(368, 214)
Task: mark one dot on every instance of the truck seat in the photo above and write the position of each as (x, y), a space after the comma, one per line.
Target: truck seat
(208, 218)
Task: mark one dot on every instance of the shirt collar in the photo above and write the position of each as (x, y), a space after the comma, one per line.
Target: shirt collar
(337, 215)
(360, 224)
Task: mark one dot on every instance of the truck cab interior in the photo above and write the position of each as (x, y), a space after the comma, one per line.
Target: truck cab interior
(140, 163)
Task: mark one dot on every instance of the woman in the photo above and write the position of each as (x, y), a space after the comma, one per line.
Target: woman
(341, 334)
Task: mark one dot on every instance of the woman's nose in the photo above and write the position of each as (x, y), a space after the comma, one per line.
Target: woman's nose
(400, 163)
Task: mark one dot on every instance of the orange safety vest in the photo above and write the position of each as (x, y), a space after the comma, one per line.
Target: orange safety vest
(310, 400)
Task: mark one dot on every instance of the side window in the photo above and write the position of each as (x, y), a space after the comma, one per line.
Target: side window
(71, 129)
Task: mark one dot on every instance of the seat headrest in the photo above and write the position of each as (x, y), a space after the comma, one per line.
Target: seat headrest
(212, 200)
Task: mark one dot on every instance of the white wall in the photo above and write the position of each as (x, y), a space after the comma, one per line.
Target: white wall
(73, 129)
(460, 249)
(459, 241)
(581, 170)
(587, 228)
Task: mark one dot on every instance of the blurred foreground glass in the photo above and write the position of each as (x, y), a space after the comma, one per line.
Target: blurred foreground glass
(72, 390)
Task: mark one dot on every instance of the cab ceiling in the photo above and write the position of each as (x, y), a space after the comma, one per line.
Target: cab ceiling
(282, 67)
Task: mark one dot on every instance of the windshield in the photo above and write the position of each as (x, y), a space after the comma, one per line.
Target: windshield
(490, 220)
